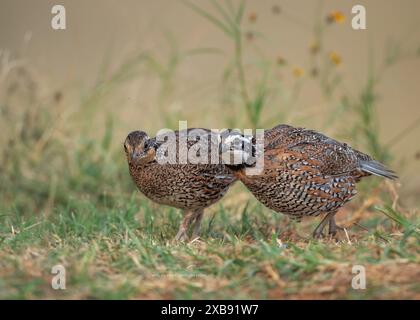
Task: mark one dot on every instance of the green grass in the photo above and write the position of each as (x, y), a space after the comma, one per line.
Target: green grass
(127, 251)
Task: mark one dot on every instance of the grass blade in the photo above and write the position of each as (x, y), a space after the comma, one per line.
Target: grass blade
(240, 13)
(210, 17)
(229, 20)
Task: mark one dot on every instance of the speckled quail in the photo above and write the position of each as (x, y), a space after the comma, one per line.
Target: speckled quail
(306, 173)
(185, 185)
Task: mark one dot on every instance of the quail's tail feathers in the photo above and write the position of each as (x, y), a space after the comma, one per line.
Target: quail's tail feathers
(378, 169)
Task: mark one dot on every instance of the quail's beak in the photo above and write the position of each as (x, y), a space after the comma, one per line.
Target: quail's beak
(135, 155)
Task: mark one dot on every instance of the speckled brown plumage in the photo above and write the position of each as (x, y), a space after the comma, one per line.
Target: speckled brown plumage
(306, 173)
(190, 187)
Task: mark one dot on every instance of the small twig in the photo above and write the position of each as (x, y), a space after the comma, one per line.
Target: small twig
(347, 236)
(31, 226)
(195, 240)
(394, 193)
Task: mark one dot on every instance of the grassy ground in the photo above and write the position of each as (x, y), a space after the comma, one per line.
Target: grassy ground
(66, 197)
(126, 251)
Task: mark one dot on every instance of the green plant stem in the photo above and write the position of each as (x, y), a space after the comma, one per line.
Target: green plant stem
(241, 76)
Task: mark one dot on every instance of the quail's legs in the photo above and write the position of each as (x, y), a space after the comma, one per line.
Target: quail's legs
(318, 232)
(189, 217)
(332, 226)
(197, 224)
(183, 228)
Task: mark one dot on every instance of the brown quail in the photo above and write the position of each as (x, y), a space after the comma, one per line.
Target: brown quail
(306, 173)
(188, 186)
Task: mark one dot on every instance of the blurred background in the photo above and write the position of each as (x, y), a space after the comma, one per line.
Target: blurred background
(69, 97)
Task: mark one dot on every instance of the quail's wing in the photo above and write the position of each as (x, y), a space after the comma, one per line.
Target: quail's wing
(330, 156)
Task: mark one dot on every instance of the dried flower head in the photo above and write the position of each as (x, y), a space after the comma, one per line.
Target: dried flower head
(249, 36)
(314, 47)
(58, 96)
(252, 17)
(314, 72)
(336, 17)
(276, 9)
(280, 60)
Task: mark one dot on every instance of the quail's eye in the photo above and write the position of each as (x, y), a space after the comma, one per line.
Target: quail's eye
(125, 147)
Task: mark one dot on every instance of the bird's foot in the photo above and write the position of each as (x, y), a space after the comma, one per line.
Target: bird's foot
(318, 234)
(189, 217)
(319, 230)
(333, 227)
(181, 236)
(197, 229)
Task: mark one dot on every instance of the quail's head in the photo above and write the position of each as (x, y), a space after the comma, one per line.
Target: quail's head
(139, 148)
(237, 149)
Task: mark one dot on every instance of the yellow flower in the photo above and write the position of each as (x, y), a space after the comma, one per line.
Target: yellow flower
(335, 58)
(298, 72)
(336, 16)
